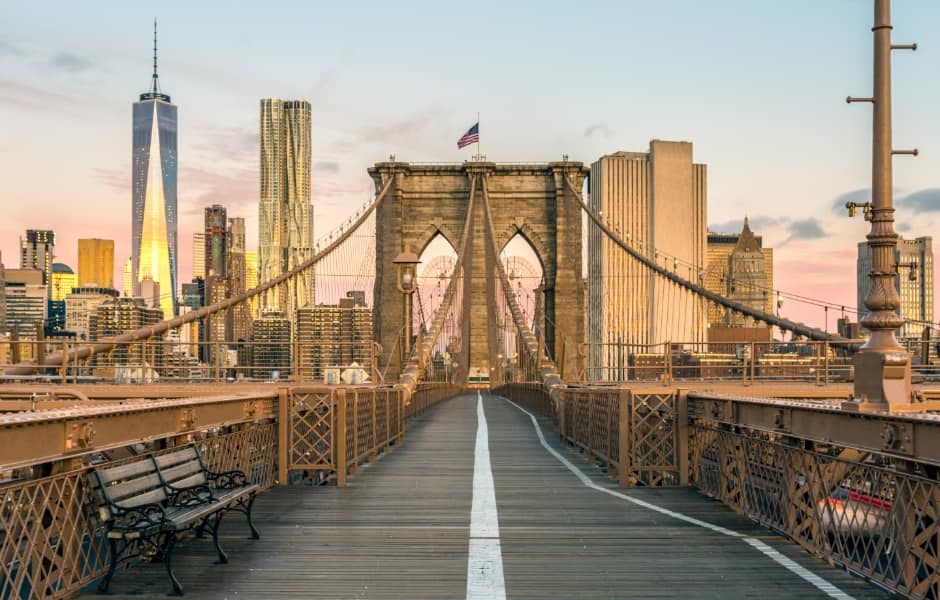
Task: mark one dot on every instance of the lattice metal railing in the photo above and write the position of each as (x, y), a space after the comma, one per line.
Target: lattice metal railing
(637, 434)
(51, 541)
(876, 516)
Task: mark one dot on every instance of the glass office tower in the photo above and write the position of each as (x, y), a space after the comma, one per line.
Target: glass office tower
(154, 248)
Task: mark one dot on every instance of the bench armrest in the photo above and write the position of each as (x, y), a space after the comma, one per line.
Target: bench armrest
(140, 517)
(228, 480)
(189, 496)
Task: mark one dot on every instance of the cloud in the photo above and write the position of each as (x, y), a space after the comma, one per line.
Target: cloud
(236, 190)
(922, 201)
(119, 179)
(235, 145)
(326, 166)
(72, 63)
(27, 96)
(9, 49)
(600, 129)
(393, 132)
(805, 229)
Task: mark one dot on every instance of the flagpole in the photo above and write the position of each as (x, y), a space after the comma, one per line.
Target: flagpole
(479, 156)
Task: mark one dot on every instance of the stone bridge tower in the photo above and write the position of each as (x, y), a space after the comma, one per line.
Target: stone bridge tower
(528, 199)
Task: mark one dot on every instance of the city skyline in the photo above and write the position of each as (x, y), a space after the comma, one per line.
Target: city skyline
(794, 153)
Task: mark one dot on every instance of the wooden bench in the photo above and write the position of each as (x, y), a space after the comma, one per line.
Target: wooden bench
(148, 503)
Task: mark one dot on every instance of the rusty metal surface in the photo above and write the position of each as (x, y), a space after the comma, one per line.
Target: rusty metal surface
(907, 436)
(860, 510)
(51, 540)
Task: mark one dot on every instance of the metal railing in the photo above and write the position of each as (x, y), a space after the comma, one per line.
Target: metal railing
(745, 362)
(862, 490)
(51, 540)
(170, 360)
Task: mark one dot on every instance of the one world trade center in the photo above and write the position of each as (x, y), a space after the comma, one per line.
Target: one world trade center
(154, 248)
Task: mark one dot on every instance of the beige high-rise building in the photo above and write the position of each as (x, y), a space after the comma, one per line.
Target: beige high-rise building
(333, 336)
(199, 255)
(251, 280)
(251, 270)
(96, 262)
(128, 278)
(81, 304)
(753, 287)
(239, 326)
(914, 282)
(285, 223)
(656, 200)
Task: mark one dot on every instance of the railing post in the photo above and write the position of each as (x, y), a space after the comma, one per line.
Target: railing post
(753, 361)
(562, 425)
(354, 467)
(339, 439)
(682, 434)
(826, 361)
(388, 419)
(283, 441)
(623, 441)
(375, 427)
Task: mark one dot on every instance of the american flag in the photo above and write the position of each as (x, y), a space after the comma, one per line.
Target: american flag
(471, 137)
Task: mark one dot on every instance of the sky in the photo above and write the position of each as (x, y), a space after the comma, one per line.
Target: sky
(758, 87)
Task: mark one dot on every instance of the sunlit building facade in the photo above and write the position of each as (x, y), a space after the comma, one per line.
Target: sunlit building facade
(656, 201)
(154, 221)
(96, 262)
(63, 280)
(752, 286)
(199, 255)
(914, 260)
(285, 227)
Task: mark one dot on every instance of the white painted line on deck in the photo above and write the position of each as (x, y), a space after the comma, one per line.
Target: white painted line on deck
(485, 560)
(821, 584)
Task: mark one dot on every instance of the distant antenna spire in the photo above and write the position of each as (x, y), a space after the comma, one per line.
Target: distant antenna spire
(155, 86)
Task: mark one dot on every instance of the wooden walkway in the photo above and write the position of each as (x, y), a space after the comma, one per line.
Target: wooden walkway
(401, 530)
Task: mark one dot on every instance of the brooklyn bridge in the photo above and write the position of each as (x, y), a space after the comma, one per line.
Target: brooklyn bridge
(482, 446)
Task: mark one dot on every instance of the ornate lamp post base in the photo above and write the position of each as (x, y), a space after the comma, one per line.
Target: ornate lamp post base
(882, 381)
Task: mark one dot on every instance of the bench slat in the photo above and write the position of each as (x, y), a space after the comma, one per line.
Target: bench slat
(193, 480)
(182, 471)
(118, 492)
(152, 497)
(170, 459)
(128, 471)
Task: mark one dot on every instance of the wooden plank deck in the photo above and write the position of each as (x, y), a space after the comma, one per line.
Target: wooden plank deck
(401, 530)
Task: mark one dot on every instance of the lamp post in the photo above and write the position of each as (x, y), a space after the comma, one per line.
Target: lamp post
(882, 366)
(406, 263)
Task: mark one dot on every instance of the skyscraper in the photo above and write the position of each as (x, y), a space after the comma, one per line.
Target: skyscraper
(239, 327)
(656, 200)
(36, 252)
(285, 227)
(128, 278)
(216, 240)
(720, 274)
(96, 262)
(3, 298)
(154, 248)
(199, 255)
(914, 260)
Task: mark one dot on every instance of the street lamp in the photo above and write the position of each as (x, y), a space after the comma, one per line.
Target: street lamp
(406, 263)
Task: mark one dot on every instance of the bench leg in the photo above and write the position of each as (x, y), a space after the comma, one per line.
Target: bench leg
(214, 524)
(106, 581)
(168, 563)
(251, 525)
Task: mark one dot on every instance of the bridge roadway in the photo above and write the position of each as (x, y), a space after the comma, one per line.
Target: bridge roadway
(402, 529)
